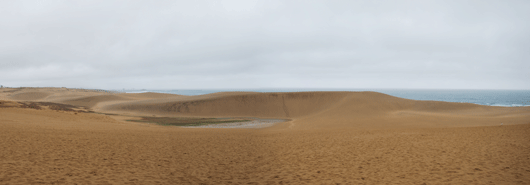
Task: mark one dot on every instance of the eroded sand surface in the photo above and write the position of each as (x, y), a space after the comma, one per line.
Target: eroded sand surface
(339, 137)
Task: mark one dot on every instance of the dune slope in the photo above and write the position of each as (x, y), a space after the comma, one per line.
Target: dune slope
(306, 109)
(30, 96)
(50, 147)
(91, 101)
(333, 109)
(278, 105)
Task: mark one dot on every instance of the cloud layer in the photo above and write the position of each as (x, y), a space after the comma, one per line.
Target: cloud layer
(265, 44)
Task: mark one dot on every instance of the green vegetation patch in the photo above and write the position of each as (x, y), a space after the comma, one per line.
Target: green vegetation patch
(187, 121)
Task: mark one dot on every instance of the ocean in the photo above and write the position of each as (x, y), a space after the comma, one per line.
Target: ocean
(506, 98)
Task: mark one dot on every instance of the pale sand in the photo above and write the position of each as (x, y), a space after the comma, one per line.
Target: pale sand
(333, 137)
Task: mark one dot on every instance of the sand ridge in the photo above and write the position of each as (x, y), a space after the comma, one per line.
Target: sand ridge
(307, 110)
(30, 96)
(332, 109)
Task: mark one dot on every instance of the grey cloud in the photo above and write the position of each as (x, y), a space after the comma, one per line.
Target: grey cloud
(252, 44)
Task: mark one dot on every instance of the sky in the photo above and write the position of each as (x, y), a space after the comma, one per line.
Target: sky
(246, 44)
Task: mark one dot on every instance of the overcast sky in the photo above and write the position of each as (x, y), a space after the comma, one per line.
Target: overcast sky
(266, 44)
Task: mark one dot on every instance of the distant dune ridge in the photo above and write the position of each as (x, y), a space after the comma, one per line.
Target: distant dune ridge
(278, 105)
(329, 138)
(29, 96)
(331, 109)
(306, 109)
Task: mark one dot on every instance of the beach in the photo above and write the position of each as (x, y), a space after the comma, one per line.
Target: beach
(76, 136)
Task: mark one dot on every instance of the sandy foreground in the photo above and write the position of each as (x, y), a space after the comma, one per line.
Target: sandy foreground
(329, 138)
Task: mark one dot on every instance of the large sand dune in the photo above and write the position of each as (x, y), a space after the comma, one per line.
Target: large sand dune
(331, 138)
(92, 101)
(332, 109)
(29, 96)
(277, 105)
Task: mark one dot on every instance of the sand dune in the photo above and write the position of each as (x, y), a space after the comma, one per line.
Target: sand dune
(29, 96)
(332, 138)
(76, 97)
(285, 105)
(305, 109)
(148, 95)
(277, 105)
(91, 101)
(333, 109)
(46, 94)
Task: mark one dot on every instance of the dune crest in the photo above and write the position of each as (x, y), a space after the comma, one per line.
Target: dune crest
(306, 109)
(277, 105)
(92, 101)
